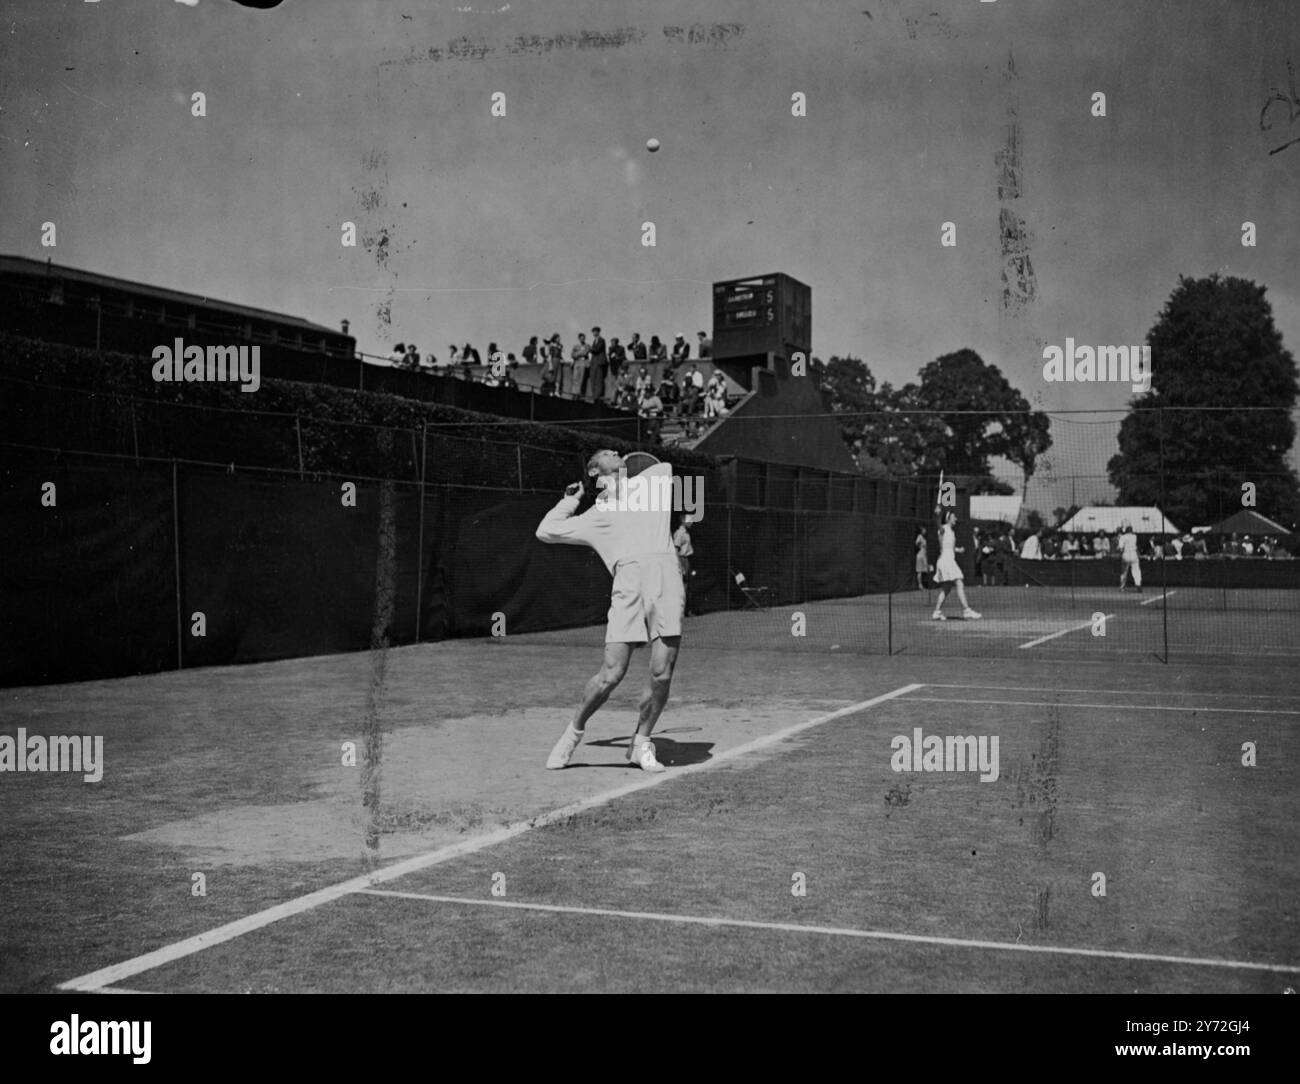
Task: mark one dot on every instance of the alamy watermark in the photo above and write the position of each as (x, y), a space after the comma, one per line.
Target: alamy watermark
(652, 493)
(59, 753)
(1106, 364)
(954, 753)
(179, 363)
(77, 1036)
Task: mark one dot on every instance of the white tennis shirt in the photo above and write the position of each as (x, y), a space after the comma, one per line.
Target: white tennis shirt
(628, 521)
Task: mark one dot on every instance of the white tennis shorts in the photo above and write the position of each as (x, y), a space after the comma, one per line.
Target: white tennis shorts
(647, 601)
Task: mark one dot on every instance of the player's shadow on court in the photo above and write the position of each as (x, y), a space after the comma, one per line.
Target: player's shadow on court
(671, 754)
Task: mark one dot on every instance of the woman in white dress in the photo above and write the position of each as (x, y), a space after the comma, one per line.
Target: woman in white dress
(947, 573)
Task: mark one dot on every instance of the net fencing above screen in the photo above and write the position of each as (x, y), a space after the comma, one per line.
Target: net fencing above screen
(258, 535)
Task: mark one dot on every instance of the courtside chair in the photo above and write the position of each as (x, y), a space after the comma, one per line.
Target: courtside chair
(757, 597)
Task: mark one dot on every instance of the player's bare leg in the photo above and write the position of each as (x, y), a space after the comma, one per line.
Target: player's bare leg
(663, 658)
(938, 606)
(605, 681)
(594, 695)
(967, 611)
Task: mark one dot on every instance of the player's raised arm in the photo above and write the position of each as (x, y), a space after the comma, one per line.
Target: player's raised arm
(559, 524)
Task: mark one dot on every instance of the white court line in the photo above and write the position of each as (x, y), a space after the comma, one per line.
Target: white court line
(1157, 598)
(1053, 636)
(1117, 692)
(96, 980)
(120, 990)
(840, 931)
(1140, 707)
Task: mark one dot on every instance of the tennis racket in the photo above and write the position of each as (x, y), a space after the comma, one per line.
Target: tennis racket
(636, 462)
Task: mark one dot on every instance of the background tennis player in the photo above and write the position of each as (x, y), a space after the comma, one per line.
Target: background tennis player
(1128, 557)
(647, 599)
(947, 572)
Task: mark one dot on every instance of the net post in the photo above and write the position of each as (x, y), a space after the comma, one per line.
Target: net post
(419, 535)
(519, 465)
(297, 428)
(1074, 503)
(1164, 577)
(1223, 564)
(728, 579)
(889, 608)
(176, 566)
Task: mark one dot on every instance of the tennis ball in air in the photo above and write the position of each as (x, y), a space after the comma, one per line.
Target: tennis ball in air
(652, 145)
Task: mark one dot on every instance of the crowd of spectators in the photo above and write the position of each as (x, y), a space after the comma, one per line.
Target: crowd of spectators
(993, 545)
(654, 379)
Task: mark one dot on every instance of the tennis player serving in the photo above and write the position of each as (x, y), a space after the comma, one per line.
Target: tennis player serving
(630, 532)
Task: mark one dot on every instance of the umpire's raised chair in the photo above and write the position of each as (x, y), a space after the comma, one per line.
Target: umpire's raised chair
(757, 597)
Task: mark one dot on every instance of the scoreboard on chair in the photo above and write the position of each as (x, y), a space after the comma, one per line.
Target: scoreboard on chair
(766, 313)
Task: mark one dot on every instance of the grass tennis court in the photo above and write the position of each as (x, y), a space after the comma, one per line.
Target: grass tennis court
(1202, 622)
(613, 880)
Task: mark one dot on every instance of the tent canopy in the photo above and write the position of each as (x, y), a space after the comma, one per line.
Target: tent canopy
(1144, 520)
(1248, 521)
(997, 509)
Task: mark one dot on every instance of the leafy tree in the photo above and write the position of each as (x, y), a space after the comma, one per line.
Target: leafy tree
(853, 395)
(985, 416)
(1214, 344)
(916, 429)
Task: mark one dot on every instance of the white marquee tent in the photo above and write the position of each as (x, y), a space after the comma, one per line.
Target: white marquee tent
(996, 508)
(1144, 520)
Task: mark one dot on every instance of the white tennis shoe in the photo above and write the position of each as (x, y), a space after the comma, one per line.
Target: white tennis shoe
(643, 753)
(971, 615)
(569, 741)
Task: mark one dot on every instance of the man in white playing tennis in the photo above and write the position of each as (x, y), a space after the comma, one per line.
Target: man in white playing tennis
(1128, 557)
(628, 527)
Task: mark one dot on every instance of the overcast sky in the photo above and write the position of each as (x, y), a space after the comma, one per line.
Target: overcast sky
(326, 111)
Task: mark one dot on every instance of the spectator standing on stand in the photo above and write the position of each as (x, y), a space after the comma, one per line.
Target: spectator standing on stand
(581, 354)
(658, 359)
(617, 359)
(636, 350)
(559, 364)
(599, 365)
